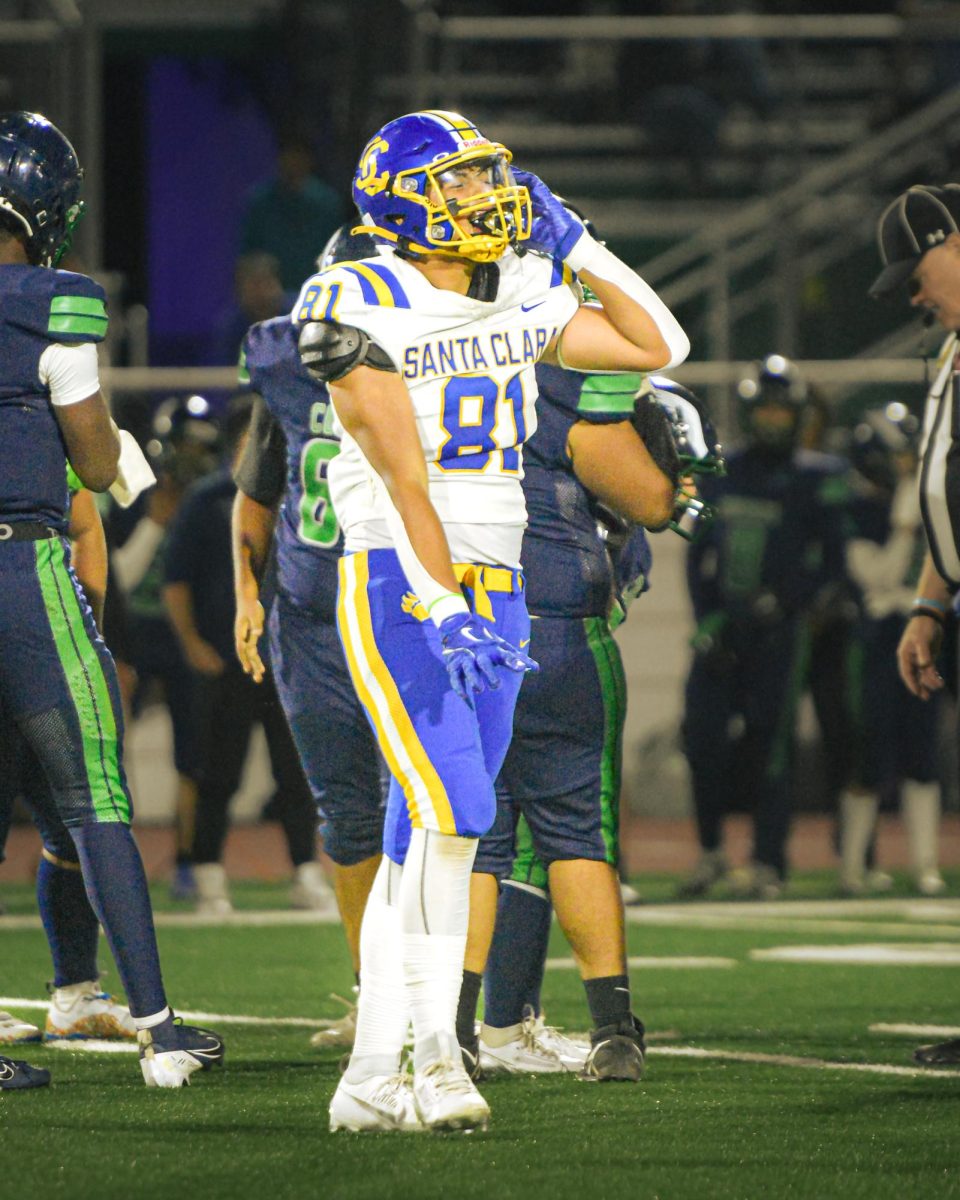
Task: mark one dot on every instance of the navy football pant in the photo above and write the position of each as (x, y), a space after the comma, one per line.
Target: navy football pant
(333, 738)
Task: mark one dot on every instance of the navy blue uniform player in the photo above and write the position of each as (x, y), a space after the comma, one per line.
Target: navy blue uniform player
(283, 498)
(777, 541)
(562, 771)
(57, 678)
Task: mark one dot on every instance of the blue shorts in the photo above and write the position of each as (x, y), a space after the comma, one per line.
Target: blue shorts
(59, 684)
(443, 752)
(562, 772)
(333, 739)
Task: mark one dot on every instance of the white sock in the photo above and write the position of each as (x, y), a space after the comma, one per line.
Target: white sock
(858, 817)
(920, 806)
(150, 1022)
(434, 913)
(382, 1017)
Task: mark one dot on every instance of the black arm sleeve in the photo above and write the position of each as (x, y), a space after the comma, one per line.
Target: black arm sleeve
(261, 473)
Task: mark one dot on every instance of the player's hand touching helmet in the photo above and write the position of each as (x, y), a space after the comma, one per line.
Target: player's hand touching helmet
(555, 229)
(473, 654)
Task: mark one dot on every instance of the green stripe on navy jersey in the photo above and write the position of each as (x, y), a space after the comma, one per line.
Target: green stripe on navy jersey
(243, 371)
(78, 315)
(613, 689)
(86, 683)
(609, 393)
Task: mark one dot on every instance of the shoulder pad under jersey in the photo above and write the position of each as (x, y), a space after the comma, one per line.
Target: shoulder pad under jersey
(330, 350)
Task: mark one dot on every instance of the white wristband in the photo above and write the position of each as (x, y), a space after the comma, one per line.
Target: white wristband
(589, 255)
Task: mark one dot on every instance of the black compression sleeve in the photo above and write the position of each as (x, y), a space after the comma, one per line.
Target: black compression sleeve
(261, 473)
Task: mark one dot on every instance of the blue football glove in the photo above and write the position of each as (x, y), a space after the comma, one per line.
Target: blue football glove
(555, 229)
(473, 653)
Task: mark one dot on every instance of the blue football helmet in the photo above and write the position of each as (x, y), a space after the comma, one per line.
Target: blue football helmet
(346, 245)
(698, 449)
(40, 178)
(406, 181)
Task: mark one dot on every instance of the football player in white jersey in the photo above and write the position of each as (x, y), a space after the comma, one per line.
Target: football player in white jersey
(429, 352)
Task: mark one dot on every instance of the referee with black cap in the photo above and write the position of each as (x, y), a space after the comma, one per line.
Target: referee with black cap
(919, 240)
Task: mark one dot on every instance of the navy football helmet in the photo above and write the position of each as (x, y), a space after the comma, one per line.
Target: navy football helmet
(40, 178)
(346, 245)
(698, 449)
(409, 173)
(773, 381)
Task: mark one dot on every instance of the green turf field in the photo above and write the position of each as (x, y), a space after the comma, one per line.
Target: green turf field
(704, 1123)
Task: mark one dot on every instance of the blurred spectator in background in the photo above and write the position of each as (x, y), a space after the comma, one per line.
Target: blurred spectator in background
(290, 215)
(753, 577)
(258, 295)
(896, 733)
(832, 617)
(183, 449)
(198, 595)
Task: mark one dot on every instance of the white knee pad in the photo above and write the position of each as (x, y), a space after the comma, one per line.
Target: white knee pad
(435, 892)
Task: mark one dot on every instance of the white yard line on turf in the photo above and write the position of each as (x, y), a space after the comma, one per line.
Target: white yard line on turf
(242, 919)
(220, 1018)
(873, 955)
(690, 917)
(669, 961)
(937, 1032)
(791, 1060)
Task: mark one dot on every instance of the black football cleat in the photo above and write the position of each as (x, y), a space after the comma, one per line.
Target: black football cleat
(940, 1054)
(15, 1074)
(616, 1053)
(470, 1053)
(172, 1051)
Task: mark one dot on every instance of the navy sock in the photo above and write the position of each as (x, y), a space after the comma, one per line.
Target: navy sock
(609, 999)
(117, 887)
(517, 955)
(70, 923)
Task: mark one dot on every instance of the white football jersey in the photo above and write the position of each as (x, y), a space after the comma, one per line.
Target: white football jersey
(469, 366)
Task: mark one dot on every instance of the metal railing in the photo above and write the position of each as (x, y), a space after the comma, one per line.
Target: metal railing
(806, 227)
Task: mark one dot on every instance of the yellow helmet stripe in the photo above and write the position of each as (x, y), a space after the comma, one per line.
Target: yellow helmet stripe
(454, 120)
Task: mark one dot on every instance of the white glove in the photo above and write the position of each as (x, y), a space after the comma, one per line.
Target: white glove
(134, 473)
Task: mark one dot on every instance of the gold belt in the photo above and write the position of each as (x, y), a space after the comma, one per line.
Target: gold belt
(482, 579)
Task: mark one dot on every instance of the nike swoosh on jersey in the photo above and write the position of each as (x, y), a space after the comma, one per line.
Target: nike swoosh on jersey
(525, 642)
(529, 307)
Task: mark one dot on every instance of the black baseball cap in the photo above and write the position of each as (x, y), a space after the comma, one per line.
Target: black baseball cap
(917, 221)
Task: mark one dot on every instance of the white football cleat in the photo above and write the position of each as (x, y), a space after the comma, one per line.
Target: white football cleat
(82, 1010)
(213, 890)
(311, 890)
(447, 1098)
(572, 1052)
(375, 1103)
(930, 882)
(14, 1031)
(526, 1052)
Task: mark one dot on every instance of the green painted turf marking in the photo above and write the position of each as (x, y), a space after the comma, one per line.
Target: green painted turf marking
(793, 1060)
(871, 955)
